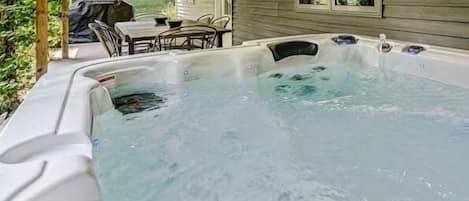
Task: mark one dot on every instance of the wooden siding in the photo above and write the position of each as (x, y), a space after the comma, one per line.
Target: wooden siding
(192, 9)
(438, 22)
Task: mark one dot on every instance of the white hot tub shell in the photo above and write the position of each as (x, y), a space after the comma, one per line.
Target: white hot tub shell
(46, 147)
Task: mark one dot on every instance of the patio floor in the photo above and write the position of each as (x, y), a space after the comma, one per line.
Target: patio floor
(78, 53)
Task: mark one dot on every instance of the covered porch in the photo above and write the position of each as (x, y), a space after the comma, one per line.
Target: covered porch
(144, 17)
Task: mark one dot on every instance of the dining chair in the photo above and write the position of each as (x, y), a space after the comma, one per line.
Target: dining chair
(207, 18)
(187, 38)
(107, 38)
(141, 46)
(105, 25)
(221, 21)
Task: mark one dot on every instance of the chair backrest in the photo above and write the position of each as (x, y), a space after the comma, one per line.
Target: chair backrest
(207, 18)
(103, 24)
(221, 21)
(187, 37)
(108, 39)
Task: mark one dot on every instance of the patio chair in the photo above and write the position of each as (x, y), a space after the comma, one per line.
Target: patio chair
(107, 38)
(101, 23)
(221, 21)
(187, 38)
(141, 47)
(207, 18)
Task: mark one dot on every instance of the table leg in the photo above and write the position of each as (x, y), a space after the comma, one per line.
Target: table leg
(131, 47)
(119, 41)
(189, 44)
(219, 39)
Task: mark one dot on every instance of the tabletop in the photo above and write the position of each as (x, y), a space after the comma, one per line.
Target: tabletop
(144, 30)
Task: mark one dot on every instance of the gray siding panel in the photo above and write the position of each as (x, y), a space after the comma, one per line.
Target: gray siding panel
(438, 22)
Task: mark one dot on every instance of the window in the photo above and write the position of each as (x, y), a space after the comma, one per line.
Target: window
(346, 7)
(314, 4)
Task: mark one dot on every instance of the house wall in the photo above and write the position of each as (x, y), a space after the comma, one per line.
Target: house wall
(438, 22)
(192, 9)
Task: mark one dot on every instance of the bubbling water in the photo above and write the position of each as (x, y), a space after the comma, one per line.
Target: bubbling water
(313, 132)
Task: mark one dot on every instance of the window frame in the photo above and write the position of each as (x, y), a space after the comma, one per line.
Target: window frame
(333, 9)
(312, 6)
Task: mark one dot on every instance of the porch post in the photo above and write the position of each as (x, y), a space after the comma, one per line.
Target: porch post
(42, 44)
(65, 14)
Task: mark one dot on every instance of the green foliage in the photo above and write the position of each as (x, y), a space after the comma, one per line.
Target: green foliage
(150, 7)
(17, 39)
(169, 11)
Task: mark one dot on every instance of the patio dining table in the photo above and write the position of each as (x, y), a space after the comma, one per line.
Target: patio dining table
(135, 31)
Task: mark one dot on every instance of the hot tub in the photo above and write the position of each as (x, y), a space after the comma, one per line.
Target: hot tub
(295, 118)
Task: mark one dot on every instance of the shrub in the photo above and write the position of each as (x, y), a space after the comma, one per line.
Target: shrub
(17, 39)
